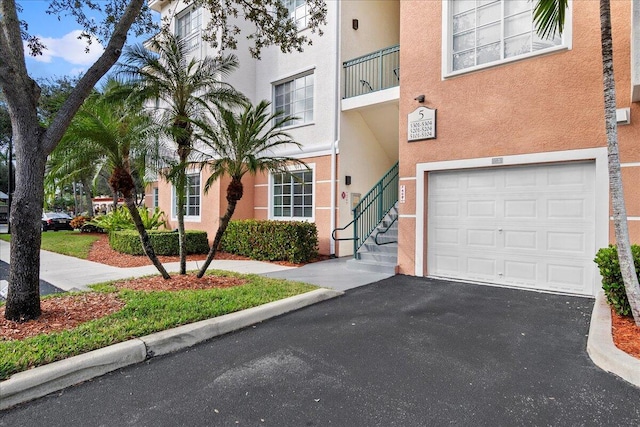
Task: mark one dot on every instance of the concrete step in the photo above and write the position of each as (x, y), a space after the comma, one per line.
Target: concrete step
(391, 248)
(381, 257)
(374, 267)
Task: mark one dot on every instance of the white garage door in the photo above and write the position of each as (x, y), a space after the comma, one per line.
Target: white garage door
(528, 226)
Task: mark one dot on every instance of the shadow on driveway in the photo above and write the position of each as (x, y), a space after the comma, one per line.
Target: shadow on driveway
(404, 351)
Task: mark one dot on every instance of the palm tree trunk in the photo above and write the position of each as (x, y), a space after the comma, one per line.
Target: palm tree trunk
(625, 257)
(182, 238)
(224, 223)
(130, 202)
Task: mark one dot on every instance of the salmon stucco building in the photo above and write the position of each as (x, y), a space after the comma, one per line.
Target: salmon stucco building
(445, 138)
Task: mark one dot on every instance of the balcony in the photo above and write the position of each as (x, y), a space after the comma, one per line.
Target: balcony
(373, 72)
(157, 5)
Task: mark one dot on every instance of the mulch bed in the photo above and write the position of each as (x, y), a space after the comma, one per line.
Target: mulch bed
(59, 314)
(626, 335)
(101, 252)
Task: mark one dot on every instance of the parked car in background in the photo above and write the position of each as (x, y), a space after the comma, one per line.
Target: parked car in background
(56, 221)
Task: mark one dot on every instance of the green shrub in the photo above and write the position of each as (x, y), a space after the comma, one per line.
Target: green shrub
(163, 242)
(607, 260)
(120, 219)
(292, 241)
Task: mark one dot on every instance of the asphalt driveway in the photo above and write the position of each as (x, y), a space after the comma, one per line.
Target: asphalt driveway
(404, 351)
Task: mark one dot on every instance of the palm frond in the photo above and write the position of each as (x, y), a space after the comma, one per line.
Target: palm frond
(549, 17)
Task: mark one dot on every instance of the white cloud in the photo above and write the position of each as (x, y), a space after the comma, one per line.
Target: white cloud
(77, 71)
(71, 49)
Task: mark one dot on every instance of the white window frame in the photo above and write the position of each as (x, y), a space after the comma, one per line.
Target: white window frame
(299, 14)
(293, 169)
(192, 39)
(447, 43)
(292, 79)
(188, 218)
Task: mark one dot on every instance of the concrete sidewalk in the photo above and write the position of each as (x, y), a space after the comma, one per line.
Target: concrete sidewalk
(69, 273)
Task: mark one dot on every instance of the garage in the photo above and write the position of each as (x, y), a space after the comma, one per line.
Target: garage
(529, 226)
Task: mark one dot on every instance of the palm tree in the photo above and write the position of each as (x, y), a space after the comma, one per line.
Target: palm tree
(185, 92)
(112, 133)
(244, 143)
(549, 18)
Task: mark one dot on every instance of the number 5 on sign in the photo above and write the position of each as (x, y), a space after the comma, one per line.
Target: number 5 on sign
(421, 124)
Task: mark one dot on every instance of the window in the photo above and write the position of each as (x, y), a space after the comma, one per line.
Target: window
(295, 98)
(489, 31)
(292, 194)
(188, 27)
(155, 197)
(298, 11)
(192, 197)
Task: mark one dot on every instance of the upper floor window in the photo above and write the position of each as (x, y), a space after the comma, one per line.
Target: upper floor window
(486, 32)
(188, 26)
(295, 98)
(298, 11)
(292, 195)
(192, 198)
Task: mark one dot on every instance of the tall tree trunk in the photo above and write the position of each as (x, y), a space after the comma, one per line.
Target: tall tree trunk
(23, 299)
(234, 193)
(88, 202)
(625, 257)
(130, 202)
(114, 199)
(182, 238)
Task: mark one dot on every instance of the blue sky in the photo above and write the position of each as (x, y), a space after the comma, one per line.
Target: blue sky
(65, 54)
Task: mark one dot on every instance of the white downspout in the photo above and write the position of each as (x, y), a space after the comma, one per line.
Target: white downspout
(334, 146)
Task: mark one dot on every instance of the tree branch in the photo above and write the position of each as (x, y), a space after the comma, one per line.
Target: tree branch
(109, 57)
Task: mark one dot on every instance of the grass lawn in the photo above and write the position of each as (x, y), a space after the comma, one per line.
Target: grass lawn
(144, 313)
(60, 242)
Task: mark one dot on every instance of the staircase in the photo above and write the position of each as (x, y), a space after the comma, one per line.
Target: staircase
(375, 227)
(380, 257)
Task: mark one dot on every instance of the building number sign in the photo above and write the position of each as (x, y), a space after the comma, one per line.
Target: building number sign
(421, 124)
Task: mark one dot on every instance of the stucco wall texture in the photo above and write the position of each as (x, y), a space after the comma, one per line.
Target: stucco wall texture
(544, 103)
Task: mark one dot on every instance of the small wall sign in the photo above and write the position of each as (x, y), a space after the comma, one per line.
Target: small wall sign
(421, 124)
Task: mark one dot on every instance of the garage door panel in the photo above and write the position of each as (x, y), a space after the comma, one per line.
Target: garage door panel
(525, 208)
(566, 277)
(481, 209)
(448, 265)
(482, 181)
(447, 236)
(520, 180)
(567, 242)
(481, 238)
(530, 226)
(521, 239)
(521, 272)
(481, 268)
(569, 175)
(444, 209)
(566, 209)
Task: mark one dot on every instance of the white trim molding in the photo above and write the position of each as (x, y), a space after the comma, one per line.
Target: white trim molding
(599, 155)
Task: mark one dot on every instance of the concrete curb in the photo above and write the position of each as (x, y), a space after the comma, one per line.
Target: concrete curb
(43, 380)
(603, 351)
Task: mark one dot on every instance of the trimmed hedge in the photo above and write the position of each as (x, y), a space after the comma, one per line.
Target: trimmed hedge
(163, 242)
(292, 241)
(607, 260)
